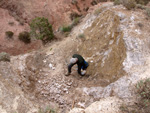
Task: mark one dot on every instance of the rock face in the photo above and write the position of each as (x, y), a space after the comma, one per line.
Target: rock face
(105, 48)
(135, 63)
(13, 99)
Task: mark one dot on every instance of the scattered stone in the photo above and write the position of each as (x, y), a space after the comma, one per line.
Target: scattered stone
(51, 66)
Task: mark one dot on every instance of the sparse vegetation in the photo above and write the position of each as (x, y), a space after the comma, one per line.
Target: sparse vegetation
(11, 23)
(9, 34)
(68, 28)
(25, 37)
(94, 2)
(142, 105)
(99, 10)
(148, 12)
(143, 2)
(4, 56)
(75, 21)
(74, 2)
(47, 110)
(117, 2)
(129, 4)
(81, 35)
(140, 6)
(41, 29)
(143, 88)
(74, 15)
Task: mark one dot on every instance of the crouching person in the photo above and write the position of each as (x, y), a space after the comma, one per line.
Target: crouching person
(79, 60)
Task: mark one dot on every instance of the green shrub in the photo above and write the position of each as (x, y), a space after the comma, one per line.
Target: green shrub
(144, 89)
(47, 110)
(129, 4)
(74, 2)
(148, 12)
(117, 2)
(74, 15)
(75, 21)
(4, 57)
(25, 37)
(66, 28)
(81, 35)
(143, 103)
(41, 29)
(143, 2)
(9, 34)
(140, 6)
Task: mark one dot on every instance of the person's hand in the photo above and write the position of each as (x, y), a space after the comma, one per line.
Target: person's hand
(83, 73)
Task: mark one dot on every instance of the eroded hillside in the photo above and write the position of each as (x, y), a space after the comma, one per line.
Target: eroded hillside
(117, 50)
(15, 16)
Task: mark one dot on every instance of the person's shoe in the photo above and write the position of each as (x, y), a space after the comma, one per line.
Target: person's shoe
(67, 74)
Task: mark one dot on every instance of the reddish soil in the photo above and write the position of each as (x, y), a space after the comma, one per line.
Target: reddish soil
(16, 15)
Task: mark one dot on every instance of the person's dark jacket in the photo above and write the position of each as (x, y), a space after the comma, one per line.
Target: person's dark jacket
(80, 63)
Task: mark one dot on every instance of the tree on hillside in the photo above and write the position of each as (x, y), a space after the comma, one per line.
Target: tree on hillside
(41, 29)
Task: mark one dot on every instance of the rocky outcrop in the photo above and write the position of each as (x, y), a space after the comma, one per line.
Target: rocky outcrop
(13, 99)
(135, 63)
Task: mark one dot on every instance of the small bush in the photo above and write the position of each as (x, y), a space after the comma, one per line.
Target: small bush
(94, 2)
(81, 35)
(47, 110)
(144, 89)
(143, 103)
(11, 23)
(9, 34)
(140, 6)
(66, 28)
(148, 12)
(4, 57)
(69, 27)
(75, 21)
(41, 29)
(99, 10)
(74, 15)
(117, 2)
(25, 37)
(129, 4)
(74, 2)
(143, 2)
